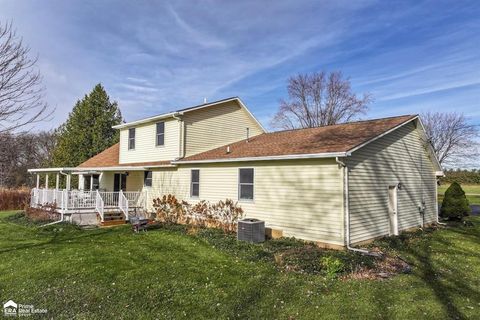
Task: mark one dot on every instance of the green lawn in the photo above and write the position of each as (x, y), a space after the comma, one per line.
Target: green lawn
(472, 191)
(166, 273)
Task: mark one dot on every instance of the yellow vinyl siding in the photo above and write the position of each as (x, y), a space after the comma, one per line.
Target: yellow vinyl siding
(106, 181)
(145, 143)
(213, 127)
(398, 157)
(301, 197)
(135, 181)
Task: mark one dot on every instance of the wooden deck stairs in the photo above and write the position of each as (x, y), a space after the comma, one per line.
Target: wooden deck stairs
(113, 218)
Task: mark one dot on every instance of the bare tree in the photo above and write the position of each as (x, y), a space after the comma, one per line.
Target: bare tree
(452, 137)
(21, 151)
(319, 99)
(21, 93)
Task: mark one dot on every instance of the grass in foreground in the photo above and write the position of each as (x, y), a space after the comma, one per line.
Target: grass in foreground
(165, 273)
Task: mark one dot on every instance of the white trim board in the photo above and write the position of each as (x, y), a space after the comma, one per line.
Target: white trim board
(179, 113)
(266, 158)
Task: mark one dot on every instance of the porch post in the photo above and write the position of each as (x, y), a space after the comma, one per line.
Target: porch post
(58, 181)
(69, 180)
(38, 180)
(46, 181)
(91, 182)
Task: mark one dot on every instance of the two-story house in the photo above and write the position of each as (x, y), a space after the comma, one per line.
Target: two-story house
(336, 185)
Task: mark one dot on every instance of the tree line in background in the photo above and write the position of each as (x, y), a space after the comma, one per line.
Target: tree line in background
(87, 132)
(461, 176)
(314, 100)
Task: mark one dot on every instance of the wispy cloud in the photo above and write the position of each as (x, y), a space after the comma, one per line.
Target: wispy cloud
(159, 56)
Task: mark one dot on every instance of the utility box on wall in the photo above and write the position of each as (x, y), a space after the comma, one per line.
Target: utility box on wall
(251, 230)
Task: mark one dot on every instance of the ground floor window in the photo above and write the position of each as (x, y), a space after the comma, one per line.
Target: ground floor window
(195, 183)
(91, 182)
(245, 183)
(147, 179)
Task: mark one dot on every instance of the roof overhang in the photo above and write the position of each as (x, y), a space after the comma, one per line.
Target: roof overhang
(52, 170)
(267, 158)
(181, 113)
(147, 120)
(93, 170)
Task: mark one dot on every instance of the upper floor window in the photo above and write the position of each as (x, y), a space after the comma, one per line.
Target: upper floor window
(245, 184)
(131, 138)
(147, 178)
(195, 183)
(160, 136)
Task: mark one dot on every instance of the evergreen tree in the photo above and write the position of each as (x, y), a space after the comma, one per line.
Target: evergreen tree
(88, 129)
(455, 204)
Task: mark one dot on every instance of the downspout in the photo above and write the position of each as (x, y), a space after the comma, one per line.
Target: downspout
(436, 203)
(61, 212)
(55, 222)
(347, 208)
(181, 146)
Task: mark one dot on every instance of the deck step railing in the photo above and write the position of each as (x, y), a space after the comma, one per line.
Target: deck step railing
(99, 205)
(123, 203)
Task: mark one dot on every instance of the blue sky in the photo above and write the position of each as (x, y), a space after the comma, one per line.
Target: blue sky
(155, 56)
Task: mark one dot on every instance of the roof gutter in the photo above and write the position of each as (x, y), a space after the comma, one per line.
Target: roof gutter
(266, 158)
(146, 120)
(51, 170)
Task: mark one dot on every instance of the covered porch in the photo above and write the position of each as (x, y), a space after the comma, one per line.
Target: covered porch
(101, 192)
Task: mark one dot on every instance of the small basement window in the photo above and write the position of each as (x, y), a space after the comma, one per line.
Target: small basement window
(147, 178)
(160, 136)
(195, 183)
(245, 184)
(131, 138)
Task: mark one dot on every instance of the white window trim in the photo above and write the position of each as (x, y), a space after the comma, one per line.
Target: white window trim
(157, 134)
(238, 186)
(191, 184)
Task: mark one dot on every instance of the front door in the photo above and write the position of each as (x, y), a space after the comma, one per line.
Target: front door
(119, 182)
(392, 210)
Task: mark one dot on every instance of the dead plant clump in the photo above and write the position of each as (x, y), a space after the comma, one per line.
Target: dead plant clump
(45, 213)
(385, 266)
(222, 215)
(14, 199)
(344, 265)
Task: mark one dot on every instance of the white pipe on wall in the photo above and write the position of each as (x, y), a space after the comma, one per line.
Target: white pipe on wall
(347, 208)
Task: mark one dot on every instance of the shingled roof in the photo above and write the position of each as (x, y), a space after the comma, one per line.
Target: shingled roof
(340, 138)
(328, 139)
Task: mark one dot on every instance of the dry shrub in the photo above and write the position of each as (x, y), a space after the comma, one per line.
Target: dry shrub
(222, 215)
(44, 213)
(385, 266)
(14, 199)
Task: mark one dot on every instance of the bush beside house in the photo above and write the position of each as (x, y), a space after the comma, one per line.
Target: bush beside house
(455, 205)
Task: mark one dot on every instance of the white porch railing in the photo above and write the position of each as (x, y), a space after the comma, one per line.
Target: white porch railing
(123, 203)
(99, 205)
(95, 200)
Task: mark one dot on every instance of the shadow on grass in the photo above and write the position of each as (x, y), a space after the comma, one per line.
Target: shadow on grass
(446, 287)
